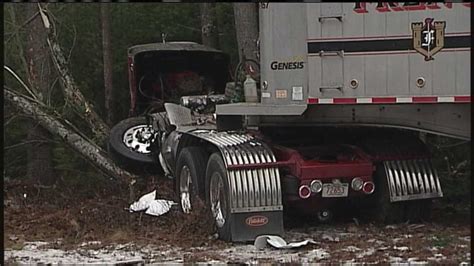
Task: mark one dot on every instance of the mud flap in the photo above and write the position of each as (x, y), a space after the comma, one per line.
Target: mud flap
(245, 227)
(412, 180)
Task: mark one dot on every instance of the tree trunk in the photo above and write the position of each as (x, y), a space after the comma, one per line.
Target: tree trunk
(107, 57)
(209, 30)
(88, 150)
(246, 28)
(72, 93)
(39, 72)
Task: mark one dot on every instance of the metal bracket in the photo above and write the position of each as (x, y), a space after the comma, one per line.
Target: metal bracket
(338, 17)
(331, 53)
(338, 87)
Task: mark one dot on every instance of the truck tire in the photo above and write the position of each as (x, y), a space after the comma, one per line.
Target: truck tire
(190, 173)
(121, 141)
(217, 195)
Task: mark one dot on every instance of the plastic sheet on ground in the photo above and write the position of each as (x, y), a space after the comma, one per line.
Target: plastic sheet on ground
(263, 241)
(150, 205)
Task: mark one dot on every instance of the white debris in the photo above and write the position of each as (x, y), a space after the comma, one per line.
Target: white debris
(390, 227)
(143, 203)
(278, 242)
(155, 207)
(159, 207)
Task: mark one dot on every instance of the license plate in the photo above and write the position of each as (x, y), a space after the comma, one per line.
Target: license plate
(335, 190)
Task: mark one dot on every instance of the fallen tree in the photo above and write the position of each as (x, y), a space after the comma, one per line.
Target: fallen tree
(72, 94)
(88, 150)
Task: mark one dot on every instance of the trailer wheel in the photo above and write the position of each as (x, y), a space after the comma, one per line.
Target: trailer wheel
(130, 143)
(190, 170)
(217, 195)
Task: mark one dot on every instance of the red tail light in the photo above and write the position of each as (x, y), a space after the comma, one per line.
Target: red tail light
(304, 192)
(368, 187)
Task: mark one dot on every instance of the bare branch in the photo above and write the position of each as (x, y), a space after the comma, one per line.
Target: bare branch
(16, 145)
(21, 82)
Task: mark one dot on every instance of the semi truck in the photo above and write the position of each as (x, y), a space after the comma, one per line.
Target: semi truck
(345, 93)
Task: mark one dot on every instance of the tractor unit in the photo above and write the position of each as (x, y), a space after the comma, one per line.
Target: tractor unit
(346, 92)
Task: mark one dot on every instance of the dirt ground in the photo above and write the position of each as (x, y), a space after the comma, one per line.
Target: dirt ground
(67, 225)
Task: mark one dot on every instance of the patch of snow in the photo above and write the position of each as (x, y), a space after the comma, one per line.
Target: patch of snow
(395, 259)
(379, 242)
(351, 248)
(401, 248)
(367, 252)
(437, 257)
(317, 254)
(55, 256)
(330, 238)
(83, 244)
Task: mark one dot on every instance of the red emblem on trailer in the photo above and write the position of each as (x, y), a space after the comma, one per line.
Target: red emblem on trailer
(257, 220)
(428, 37)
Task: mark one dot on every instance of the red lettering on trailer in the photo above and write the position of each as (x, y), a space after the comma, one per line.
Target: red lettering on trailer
(416, 6)
(382, 7)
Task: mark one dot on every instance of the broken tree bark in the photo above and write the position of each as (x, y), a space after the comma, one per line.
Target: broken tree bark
(90, 152)
(39, 71)
(246, 28)
(72, 93)
(209, 32)
(107, 59)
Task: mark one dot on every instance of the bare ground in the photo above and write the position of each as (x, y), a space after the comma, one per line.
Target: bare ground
(66, 224)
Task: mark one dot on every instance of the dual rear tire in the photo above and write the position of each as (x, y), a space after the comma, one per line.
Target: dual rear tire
(201, 178)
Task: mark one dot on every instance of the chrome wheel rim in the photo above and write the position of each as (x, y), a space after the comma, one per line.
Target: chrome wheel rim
(139, 138)
(218, 201)
(184, 189)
